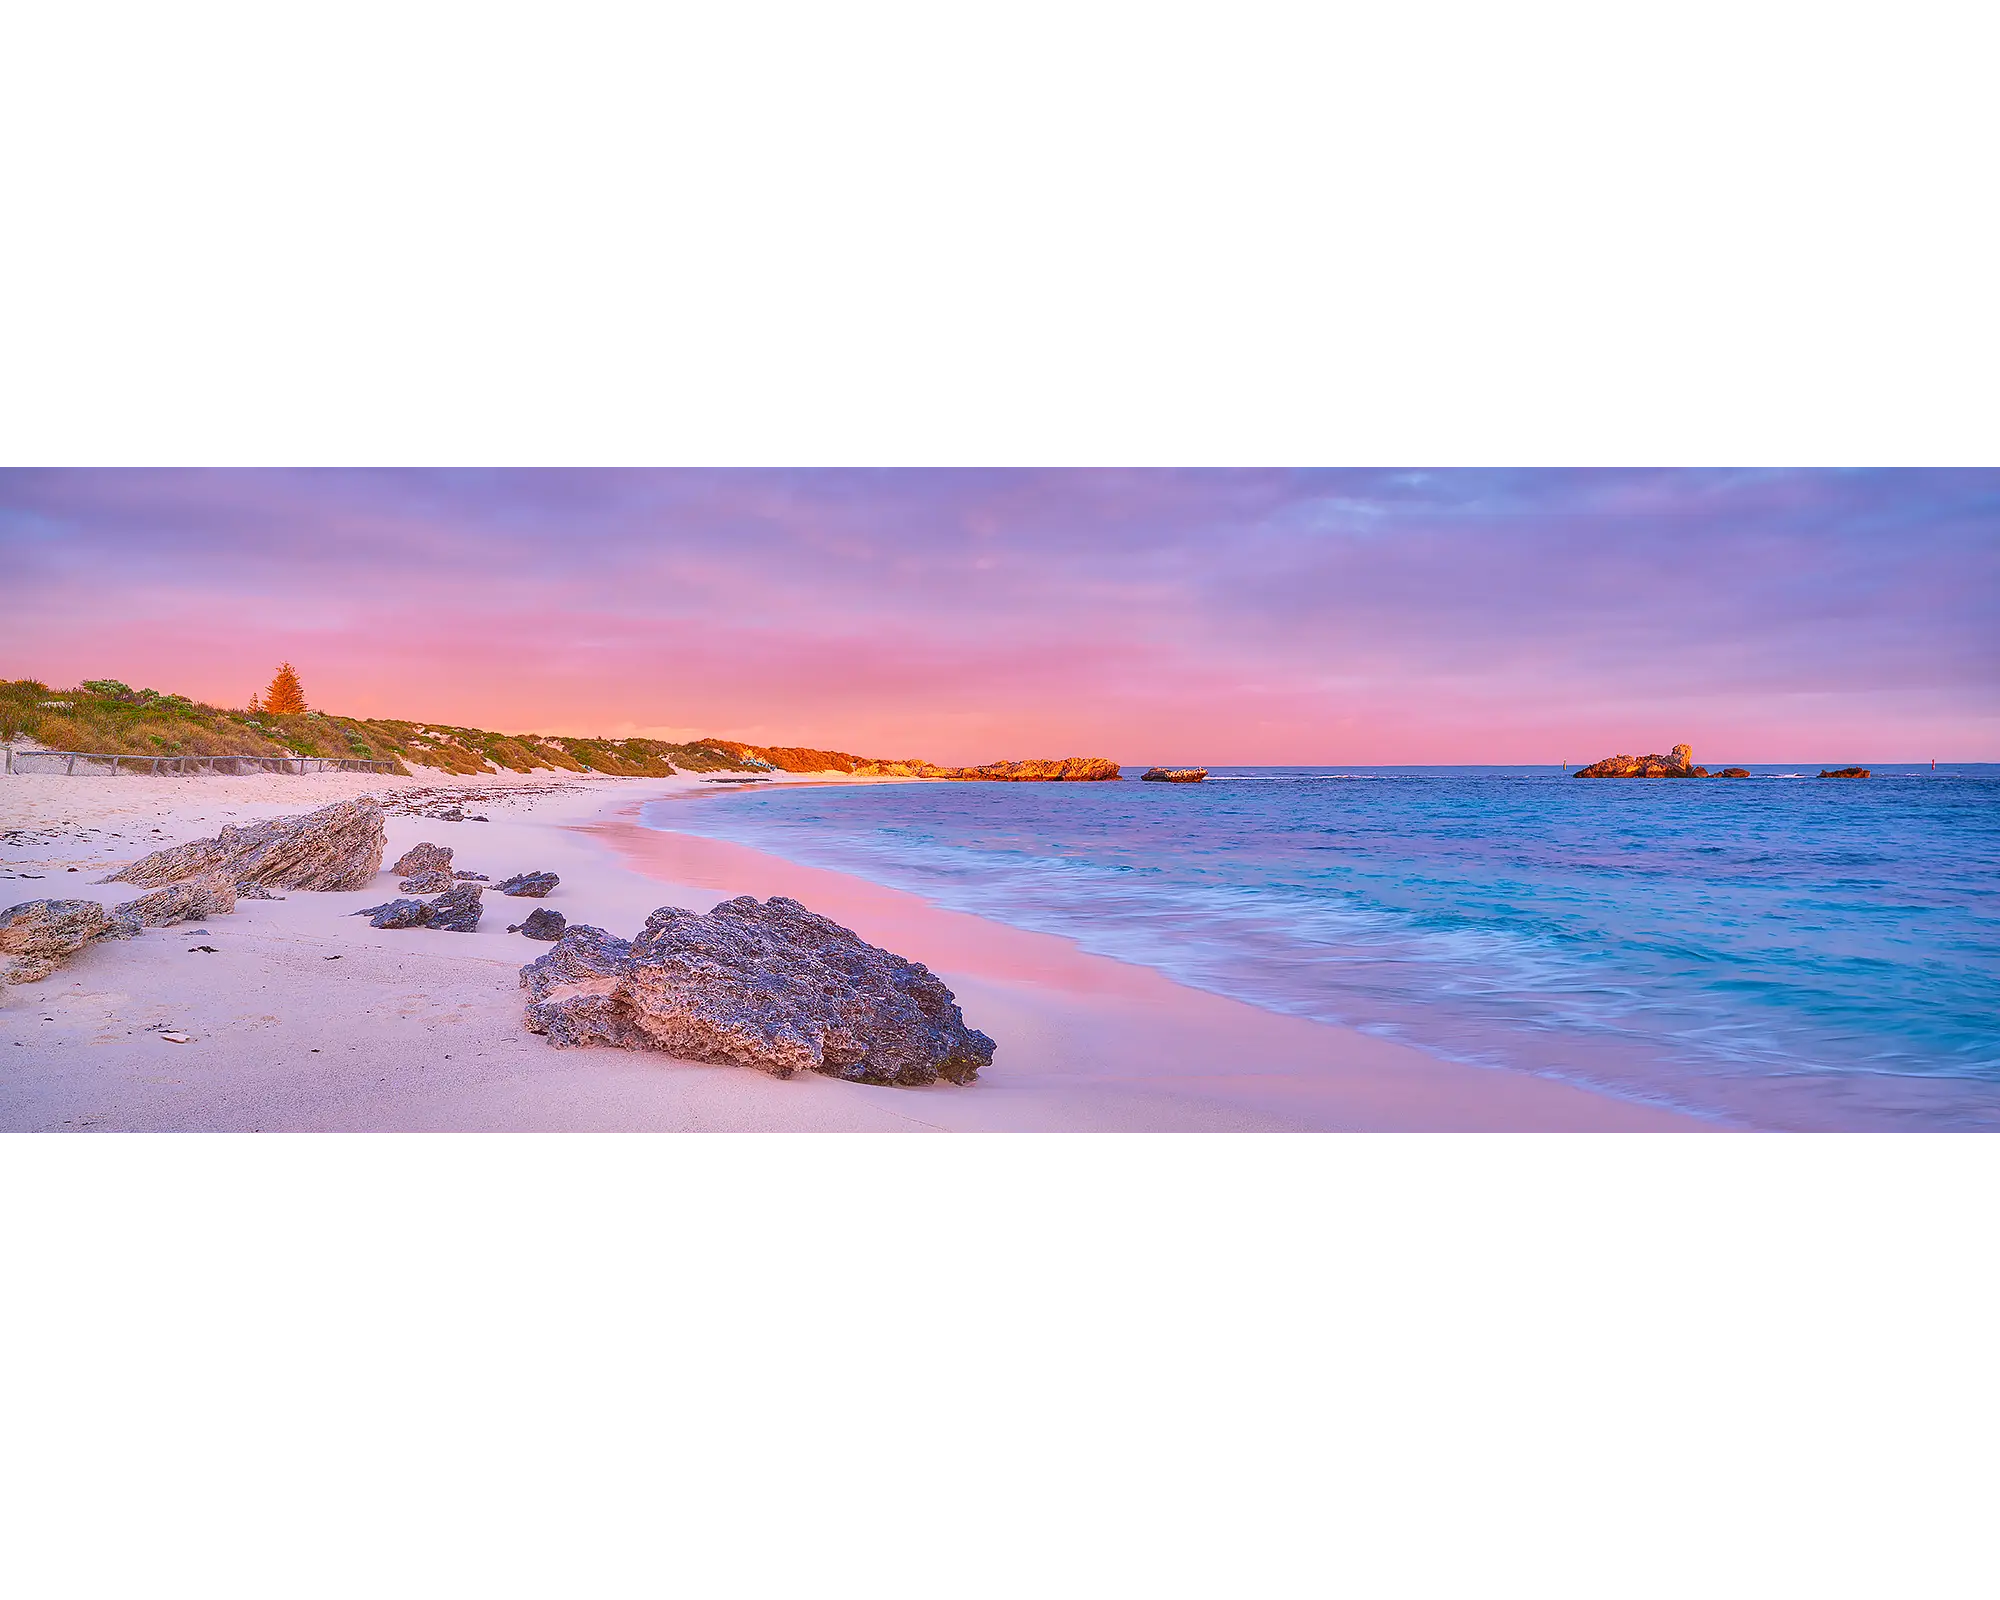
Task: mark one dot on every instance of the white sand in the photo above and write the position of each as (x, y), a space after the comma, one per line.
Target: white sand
(306, 1018)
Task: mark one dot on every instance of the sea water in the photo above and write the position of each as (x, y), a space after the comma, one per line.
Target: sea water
(1777, 951)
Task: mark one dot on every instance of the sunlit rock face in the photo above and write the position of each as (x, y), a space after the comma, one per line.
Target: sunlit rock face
(1680, 764)
(1067, 769)
(771, 986)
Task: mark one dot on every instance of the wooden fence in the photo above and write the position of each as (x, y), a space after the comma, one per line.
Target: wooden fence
(78, 763)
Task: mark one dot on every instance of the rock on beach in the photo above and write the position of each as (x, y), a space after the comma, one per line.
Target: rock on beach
(40, 935)
(335, 848)
(771, 986)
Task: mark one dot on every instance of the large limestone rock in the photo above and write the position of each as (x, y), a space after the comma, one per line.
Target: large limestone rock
(1173, 775)
(211, 895)
(336, 847)
(1845, 772)
(771, 986)
(38, 936)
(1680, 764)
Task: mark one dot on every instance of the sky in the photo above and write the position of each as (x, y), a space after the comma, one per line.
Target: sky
(1224, 617)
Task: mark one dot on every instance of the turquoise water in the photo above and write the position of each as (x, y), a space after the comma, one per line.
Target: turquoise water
(1774, 952)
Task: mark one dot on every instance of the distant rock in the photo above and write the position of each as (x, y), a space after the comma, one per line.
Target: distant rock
(1735, 772)
(1847, 772)
(334, 848)
(542, 923)
(1070, 769)
(770, 986)
(1173, 775)
(1678, 765)
(420, 860)
(532, 884)
(40, 935)
(211, 895)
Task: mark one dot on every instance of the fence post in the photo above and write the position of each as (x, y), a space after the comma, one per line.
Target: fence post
(70, 770)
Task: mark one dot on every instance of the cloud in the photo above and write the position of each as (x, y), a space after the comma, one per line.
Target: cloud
(1249, 616)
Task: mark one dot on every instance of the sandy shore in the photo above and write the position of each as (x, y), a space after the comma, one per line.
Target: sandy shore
(306, 1018)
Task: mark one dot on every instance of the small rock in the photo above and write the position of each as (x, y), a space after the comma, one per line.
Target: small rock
(532, 884)
(176, 1038)
(1846, 772)
(211, 895)
(435, 881)
(542, 923)
(420, 860)
(395, 914)
(456, 910)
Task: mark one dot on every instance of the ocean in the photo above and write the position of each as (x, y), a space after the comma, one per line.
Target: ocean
(1780, 951)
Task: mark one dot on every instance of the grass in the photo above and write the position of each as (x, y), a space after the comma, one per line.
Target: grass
(105, 716)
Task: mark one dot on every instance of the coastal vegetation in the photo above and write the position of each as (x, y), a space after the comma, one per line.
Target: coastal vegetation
(106, 716)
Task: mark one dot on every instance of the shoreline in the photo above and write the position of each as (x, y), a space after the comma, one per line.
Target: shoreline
(1142, 1037)
(303, 1018)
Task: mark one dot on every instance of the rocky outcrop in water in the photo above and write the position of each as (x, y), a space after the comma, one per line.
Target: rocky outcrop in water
(1680, 764)
(542, 923)
(1173, 775)
(336, 847)
(211, 895)
(38, 936)
(532, 884)
(455, 911)
(1847, 772)
(771, 986)
(1069, 769)
(1734, 772)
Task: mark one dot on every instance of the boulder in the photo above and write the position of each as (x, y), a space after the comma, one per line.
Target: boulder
(1735, 772)
(542, 923)
(211, 895)
(532, 884)
(40, 935)
(396, 914)
(336, 847)
(1846, 772)
(771, 986)
(1173, 775)
(1680, 764)
(421, 860)
(455, 911)
(433, 882)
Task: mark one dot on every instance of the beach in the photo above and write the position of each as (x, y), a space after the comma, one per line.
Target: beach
(304, 1017)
